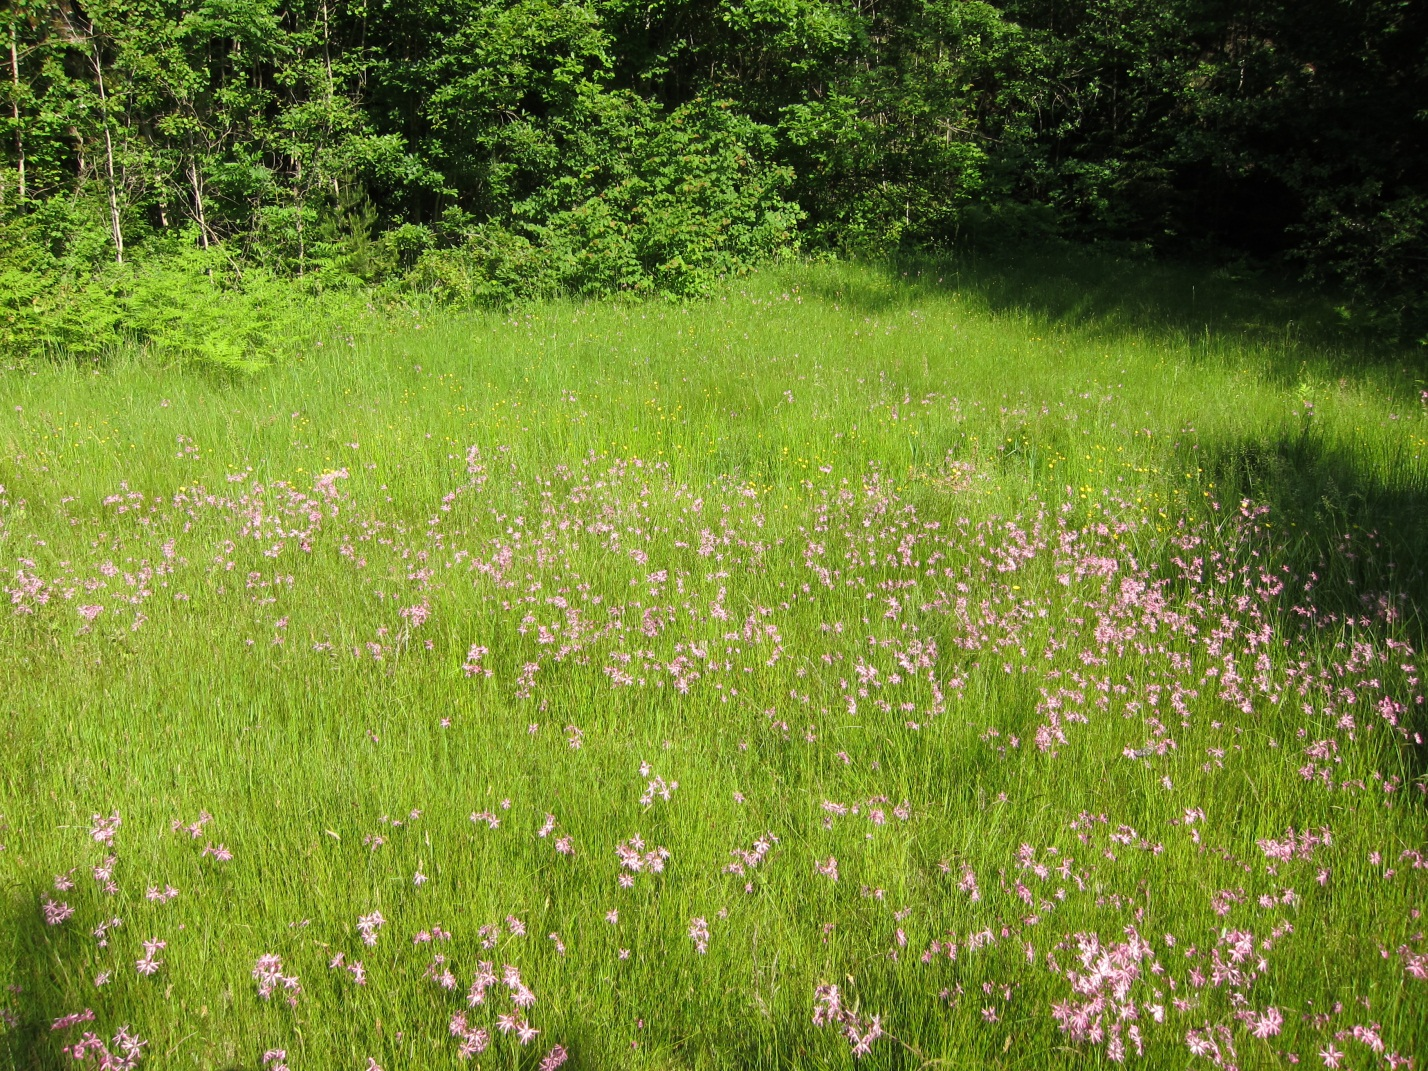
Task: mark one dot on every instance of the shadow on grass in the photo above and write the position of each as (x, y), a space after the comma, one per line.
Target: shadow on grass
(46, 960)
(31, 1044)
(1285, 325)
(1363, 536)
(1358, 525)
(1361, 539)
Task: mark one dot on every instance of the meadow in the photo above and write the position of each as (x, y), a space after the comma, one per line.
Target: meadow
(878, 667)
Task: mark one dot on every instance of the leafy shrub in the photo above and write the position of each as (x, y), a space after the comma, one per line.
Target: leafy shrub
(186, 306)
(648, 203)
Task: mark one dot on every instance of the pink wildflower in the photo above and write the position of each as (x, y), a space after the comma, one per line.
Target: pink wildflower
(150, 965)
(699, 933)
(105, 828)
(368, 925)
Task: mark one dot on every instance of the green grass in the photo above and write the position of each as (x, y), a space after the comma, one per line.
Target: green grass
(954, 442)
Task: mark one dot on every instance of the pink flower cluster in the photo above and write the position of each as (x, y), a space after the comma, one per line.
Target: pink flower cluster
(829, 1010)
(268, 973)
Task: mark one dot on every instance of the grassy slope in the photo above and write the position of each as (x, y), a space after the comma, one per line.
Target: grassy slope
(971, 401)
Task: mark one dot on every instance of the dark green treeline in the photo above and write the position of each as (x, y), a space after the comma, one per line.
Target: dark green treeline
(484, 148)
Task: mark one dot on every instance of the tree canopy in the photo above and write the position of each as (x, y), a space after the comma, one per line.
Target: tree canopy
(491, 147)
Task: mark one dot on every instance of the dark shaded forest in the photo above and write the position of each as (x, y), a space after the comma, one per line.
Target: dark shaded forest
(483, 150)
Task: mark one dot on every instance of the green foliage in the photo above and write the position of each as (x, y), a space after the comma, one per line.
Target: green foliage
(501, 149)
(181, 305)
(643, 203)
(1291, 131)
(893, 153)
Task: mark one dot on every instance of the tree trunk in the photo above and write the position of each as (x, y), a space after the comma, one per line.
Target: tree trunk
(15, 110)
(109, 161)
(198, 215)
(297, 201)
(326, 51)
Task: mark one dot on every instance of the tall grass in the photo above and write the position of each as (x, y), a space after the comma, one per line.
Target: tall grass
(939, 583)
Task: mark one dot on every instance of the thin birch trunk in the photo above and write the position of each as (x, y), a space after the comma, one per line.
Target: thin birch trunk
(109, 160)
(197, 185)
(297, 200)
(15, 109)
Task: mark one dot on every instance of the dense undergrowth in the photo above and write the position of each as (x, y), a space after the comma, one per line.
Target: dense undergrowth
(208, 312)
(490, 150)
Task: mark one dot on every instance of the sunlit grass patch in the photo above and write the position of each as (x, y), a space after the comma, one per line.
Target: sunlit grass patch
(1051, 690)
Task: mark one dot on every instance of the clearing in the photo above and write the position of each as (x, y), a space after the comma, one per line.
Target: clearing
(961, 669)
